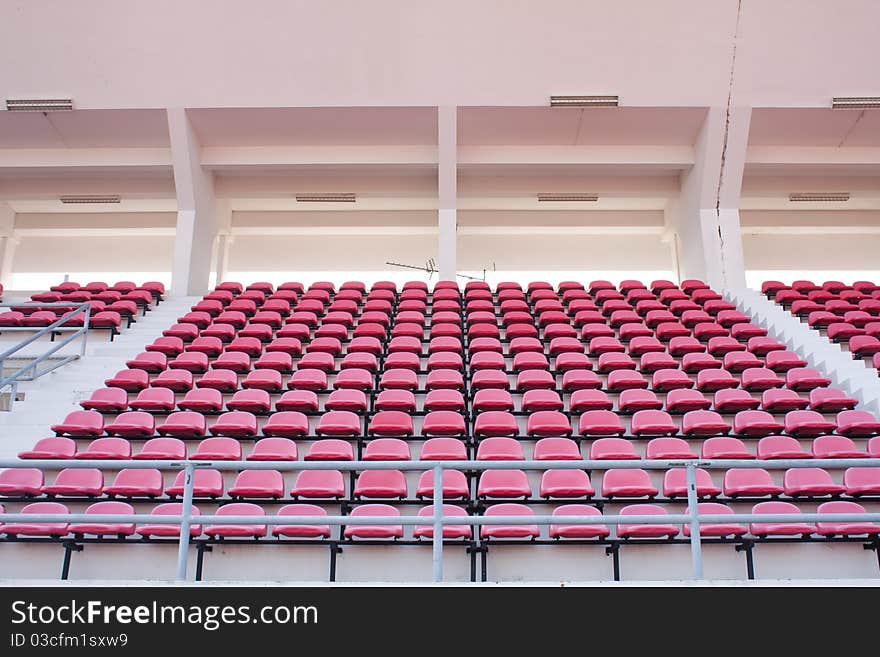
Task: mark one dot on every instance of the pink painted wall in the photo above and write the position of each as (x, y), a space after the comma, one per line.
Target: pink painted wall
(392, 52)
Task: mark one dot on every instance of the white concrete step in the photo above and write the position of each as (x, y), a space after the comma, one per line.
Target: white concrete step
(48, 399)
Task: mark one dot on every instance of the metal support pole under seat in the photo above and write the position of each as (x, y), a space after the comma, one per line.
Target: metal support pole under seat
(438, 523)
(696, 545)
(186, 512)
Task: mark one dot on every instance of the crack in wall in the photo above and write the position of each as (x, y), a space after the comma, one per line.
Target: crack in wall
(851, 128)
(724, 144)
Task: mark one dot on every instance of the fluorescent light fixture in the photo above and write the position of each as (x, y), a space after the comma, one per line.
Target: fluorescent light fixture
(103, 198)
(567, 197)
(41, 105)
(326, 198)
(856, 102)
(818, 196)
(584, 101)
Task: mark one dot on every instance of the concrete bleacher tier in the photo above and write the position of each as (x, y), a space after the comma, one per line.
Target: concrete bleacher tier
(597, 371)
(846, 314)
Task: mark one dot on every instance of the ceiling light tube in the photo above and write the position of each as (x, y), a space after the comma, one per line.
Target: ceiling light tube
(41, 105)
(584, 101)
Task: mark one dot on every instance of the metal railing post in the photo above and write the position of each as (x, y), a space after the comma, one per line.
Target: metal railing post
(87, 313)
(438, 523)
(693, 511)
(186, 512)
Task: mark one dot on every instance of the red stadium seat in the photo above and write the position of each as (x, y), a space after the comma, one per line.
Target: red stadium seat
(395, 400)
(807, 424)
(836, 447)
(749, 482)
(810, 481)
(556, 449)
(183, 424)
(832, 528)
(156, 400)
(107, 448)
(386, 449)
(600, 423)
(508, 530)
(218, 449)
(273, 449)
(454, 484)
(725, 447)
(238, 509)
(80, 424)
(675, 483)
(761, 529)
(636, 399)
(669, 448)
(627, 483)
(719, 530)
(444, 400)
(286, 424)
(51, 448)
(703, 423)
(131, 482)
(578, 531)
(756, 424)
(175, 380)
(830, 400)
(659, 530)
(107, 400)
(390, 423)
(548, 423)
(684, 400)
(503, 484)
(257, 483)
(162, 449)
(330, 449)
(589, 400)
(301, 531)
(380, 483)
(781, 447)
(204, 400)
(338, 423)
(374, 531)
(653, 423)
(235, 424)
(304, 401)
(859, 424)
(782, 400)
(449, 531)
(206, 483)
(21, 482)
(499, 449)
(76, 481)
(495, 423)
(612, 448)
(168, 509)
(862, 481)
(105, 529)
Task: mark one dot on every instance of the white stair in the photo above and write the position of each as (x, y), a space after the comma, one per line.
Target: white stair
(48, 399)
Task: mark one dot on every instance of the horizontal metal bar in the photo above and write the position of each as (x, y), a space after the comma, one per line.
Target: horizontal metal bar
(82, 307)
(584, 464)
(21, 374)
(672, 518)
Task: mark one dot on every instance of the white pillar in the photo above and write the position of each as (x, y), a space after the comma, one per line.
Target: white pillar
(705, 217)
(447, 171)
(224, 242)
(196, 220)
(7, 257)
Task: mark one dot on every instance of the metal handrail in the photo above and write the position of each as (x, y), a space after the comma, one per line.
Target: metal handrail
(693, 517)
(12, 380)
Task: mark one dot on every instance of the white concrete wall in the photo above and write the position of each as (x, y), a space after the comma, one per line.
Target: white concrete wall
(43, 261)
